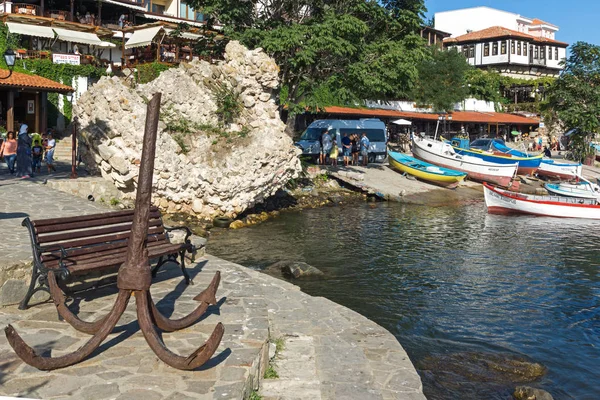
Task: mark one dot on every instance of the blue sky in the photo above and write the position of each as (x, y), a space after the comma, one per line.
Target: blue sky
(577, 20)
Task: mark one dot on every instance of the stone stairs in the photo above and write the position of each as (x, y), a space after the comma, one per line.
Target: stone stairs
(62, 152)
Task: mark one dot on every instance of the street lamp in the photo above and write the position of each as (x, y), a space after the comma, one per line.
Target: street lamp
(9, 57)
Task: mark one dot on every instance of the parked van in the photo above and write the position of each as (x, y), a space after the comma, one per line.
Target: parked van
(374, 128)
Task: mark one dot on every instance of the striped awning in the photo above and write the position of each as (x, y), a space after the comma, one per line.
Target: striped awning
(30, 30)
(185, 35)
(77, 37)
(142, 37)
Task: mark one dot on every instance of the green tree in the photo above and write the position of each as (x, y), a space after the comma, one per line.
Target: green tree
(442, 80)
(574, 98)
(328, 51)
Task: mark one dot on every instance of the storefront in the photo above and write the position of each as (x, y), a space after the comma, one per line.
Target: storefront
(24, 99)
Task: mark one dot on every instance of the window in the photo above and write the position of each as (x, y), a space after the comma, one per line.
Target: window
(187, 12)
(472, 51)
(495, 48)
(512, 47)
(535, 52)
(518, 48)
(465, 51)
(503, 47)
(542, 52)
(550, 53)
(157, 8)
(525, 48)
(556, 53)
(486, 49)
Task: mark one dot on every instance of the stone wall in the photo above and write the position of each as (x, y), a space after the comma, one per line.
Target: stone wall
(202, 167)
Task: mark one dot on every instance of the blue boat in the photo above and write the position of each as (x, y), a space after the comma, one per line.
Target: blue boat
(445, 177)
(494, 150)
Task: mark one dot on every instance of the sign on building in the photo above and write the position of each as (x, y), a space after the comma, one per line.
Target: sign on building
(73, 59)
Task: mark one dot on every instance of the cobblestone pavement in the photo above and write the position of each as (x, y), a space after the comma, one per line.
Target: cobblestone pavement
(330, 352)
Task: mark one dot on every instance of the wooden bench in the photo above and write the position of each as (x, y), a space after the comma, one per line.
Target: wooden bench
(86, 244)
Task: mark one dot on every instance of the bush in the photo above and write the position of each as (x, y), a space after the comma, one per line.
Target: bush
(150, 71)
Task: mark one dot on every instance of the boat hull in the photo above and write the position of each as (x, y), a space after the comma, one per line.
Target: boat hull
(581, 191)
(561, 171)
(500, 201)
(446, 181)
(527, 165)
(475, 168)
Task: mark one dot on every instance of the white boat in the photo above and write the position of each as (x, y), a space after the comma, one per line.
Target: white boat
(500, 201)
(442, 154)
(582, 190)
(559, 170)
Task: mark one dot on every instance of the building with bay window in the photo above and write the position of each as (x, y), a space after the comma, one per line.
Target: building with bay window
(514, 45)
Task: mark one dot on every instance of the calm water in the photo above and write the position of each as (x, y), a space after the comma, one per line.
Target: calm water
(451, 281)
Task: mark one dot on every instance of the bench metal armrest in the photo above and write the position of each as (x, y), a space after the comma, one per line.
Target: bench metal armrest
(188, 232)
(63, 272)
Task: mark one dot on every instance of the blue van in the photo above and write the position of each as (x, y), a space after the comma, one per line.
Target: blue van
(374, 128)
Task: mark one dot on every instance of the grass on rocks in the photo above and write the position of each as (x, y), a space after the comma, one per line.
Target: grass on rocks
(271, 373)
(255, 396)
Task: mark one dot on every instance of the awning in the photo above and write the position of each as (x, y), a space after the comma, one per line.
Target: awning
(403, 122)
(125, 4)
(143, 37)
(30, 30)
(185, 35)
(170, 19)
(107, 44)
(77, 37)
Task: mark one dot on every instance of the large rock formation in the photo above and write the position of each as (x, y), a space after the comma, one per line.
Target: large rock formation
(205, 165)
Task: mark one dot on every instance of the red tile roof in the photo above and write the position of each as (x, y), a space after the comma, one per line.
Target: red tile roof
(457, 116)
(536, 21)
(24, 81)
(498, 32)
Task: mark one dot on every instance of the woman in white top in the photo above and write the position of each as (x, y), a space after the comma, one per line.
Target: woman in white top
(50, 152)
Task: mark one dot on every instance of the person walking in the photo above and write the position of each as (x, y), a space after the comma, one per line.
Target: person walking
(364, 148)
(325, 146)
(37, 152)
(50, 153)
(24, 153)
(346, 148)
(9, 151)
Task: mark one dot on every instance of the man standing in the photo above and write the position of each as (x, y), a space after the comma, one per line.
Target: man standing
(364, 148)
(347, 147)
(325, 146)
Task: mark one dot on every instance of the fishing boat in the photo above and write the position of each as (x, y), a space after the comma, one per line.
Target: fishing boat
(499, 201)
(582, 190)
(497, 152)
(425, 171)
(559, 170)
(443, 155)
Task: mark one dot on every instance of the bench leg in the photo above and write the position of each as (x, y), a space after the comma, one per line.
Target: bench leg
(39, 279)
(158, 265)
(183, 269)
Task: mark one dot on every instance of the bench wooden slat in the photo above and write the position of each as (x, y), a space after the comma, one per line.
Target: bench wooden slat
(156, 230)
(52, 261)
(55, 255)
(88, 217)
(111, 261)
(89, 224)
(92, 232)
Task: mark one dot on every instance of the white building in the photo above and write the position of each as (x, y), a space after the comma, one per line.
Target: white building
(514, 45)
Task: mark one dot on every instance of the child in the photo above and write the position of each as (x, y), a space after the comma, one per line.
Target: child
(333, 155)
(37, 152)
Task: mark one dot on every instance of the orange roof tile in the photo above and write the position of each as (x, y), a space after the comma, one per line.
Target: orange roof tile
(537, 21)
(498, 32)
(457, 116)
(24, 81)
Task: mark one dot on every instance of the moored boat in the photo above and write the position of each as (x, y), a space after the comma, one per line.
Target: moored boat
(500, 201)
(559, 170)
(443, 155)
(582, 190)
(425, 171)
(499, 153)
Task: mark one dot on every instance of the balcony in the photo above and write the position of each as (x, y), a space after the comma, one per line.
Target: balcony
(22, 8)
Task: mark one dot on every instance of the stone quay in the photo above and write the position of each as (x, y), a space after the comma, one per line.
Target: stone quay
(324, 350)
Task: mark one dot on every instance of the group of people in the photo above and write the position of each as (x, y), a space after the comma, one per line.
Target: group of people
(27, 152)
(352, 146)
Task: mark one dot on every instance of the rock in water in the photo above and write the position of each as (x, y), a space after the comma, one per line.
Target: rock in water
(529, 393)
(201, 167)
(293, 269)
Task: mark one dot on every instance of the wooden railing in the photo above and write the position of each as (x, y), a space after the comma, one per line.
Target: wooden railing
(27, 9)
(61, 15)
